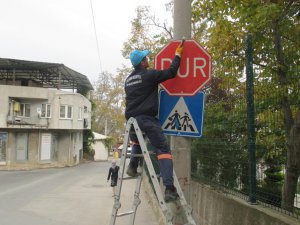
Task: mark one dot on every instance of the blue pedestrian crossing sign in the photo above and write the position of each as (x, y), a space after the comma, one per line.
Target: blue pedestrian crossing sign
(181, 115)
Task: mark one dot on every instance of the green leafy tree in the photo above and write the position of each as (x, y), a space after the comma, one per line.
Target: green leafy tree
(108, 116)
(88, 139)
(220, 156)
(143, 34)
(275, 28)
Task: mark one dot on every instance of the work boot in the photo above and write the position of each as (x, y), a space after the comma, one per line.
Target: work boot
(171, 194)
(132, 171)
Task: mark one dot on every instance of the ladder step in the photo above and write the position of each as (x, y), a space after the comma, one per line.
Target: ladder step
(125, 213)
(141, 155)
(130, 178)
(138, 155)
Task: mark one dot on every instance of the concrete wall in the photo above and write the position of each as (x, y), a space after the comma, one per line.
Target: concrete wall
(101, 152)
(211, 207)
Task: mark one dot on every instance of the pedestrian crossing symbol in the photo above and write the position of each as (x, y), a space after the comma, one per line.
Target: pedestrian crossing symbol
(181, 116)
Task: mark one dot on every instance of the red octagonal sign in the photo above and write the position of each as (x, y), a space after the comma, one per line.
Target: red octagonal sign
(194, 71)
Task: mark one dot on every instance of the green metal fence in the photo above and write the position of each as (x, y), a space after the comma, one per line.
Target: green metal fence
(228, 155)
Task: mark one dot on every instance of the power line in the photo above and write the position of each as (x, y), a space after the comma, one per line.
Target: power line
(95, 30)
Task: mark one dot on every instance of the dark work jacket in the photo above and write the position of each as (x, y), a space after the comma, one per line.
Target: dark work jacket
(113, 174)
(141, 88)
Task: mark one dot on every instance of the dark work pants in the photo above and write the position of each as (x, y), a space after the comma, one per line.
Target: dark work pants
(152, 128)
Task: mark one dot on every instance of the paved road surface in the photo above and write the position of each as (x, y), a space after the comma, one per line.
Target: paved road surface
(65, 196)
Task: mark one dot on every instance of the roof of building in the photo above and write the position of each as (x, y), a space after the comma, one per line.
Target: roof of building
(98, 136)
(49, 75)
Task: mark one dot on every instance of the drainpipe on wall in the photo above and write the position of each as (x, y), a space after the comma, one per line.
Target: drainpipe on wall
(70, 148)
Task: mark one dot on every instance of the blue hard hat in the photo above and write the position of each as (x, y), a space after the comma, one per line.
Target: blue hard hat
(136, 56)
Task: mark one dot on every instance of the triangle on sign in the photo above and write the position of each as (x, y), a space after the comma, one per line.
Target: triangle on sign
(180, 119)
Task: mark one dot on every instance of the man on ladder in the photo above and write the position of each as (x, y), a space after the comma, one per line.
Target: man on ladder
(141, 88)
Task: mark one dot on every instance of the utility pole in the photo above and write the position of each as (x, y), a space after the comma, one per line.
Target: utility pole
(182, 19)
(180, 146)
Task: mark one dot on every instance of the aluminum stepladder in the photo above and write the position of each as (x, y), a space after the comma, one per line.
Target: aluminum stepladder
(166, 207)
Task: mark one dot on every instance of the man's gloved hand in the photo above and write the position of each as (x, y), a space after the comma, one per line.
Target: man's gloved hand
(179, 49)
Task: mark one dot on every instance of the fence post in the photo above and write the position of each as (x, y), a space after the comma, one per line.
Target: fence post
(250, 120)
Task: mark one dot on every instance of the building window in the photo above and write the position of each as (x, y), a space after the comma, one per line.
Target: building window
(80, 113)
(24, 110)
(66, 112)
(46, 111)
(69, 112)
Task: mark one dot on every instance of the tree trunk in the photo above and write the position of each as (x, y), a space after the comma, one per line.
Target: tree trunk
(293, 166)
(292, 128)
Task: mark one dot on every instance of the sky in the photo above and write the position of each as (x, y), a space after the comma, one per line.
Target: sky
(62, 31)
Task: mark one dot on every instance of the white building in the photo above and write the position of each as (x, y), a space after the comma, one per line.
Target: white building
(40, 124)
(101, 151)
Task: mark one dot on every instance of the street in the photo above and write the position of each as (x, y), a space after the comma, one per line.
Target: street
(77, 195)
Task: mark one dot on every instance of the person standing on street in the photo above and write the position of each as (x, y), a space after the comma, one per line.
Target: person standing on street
(113, 176)
(141, 88)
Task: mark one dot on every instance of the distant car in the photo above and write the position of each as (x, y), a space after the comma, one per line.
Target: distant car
(128, 152)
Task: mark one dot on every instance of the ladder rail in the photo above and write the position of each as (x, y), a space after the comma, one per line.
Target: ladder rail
(136, 199)
(117, 204)
(184, 204)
